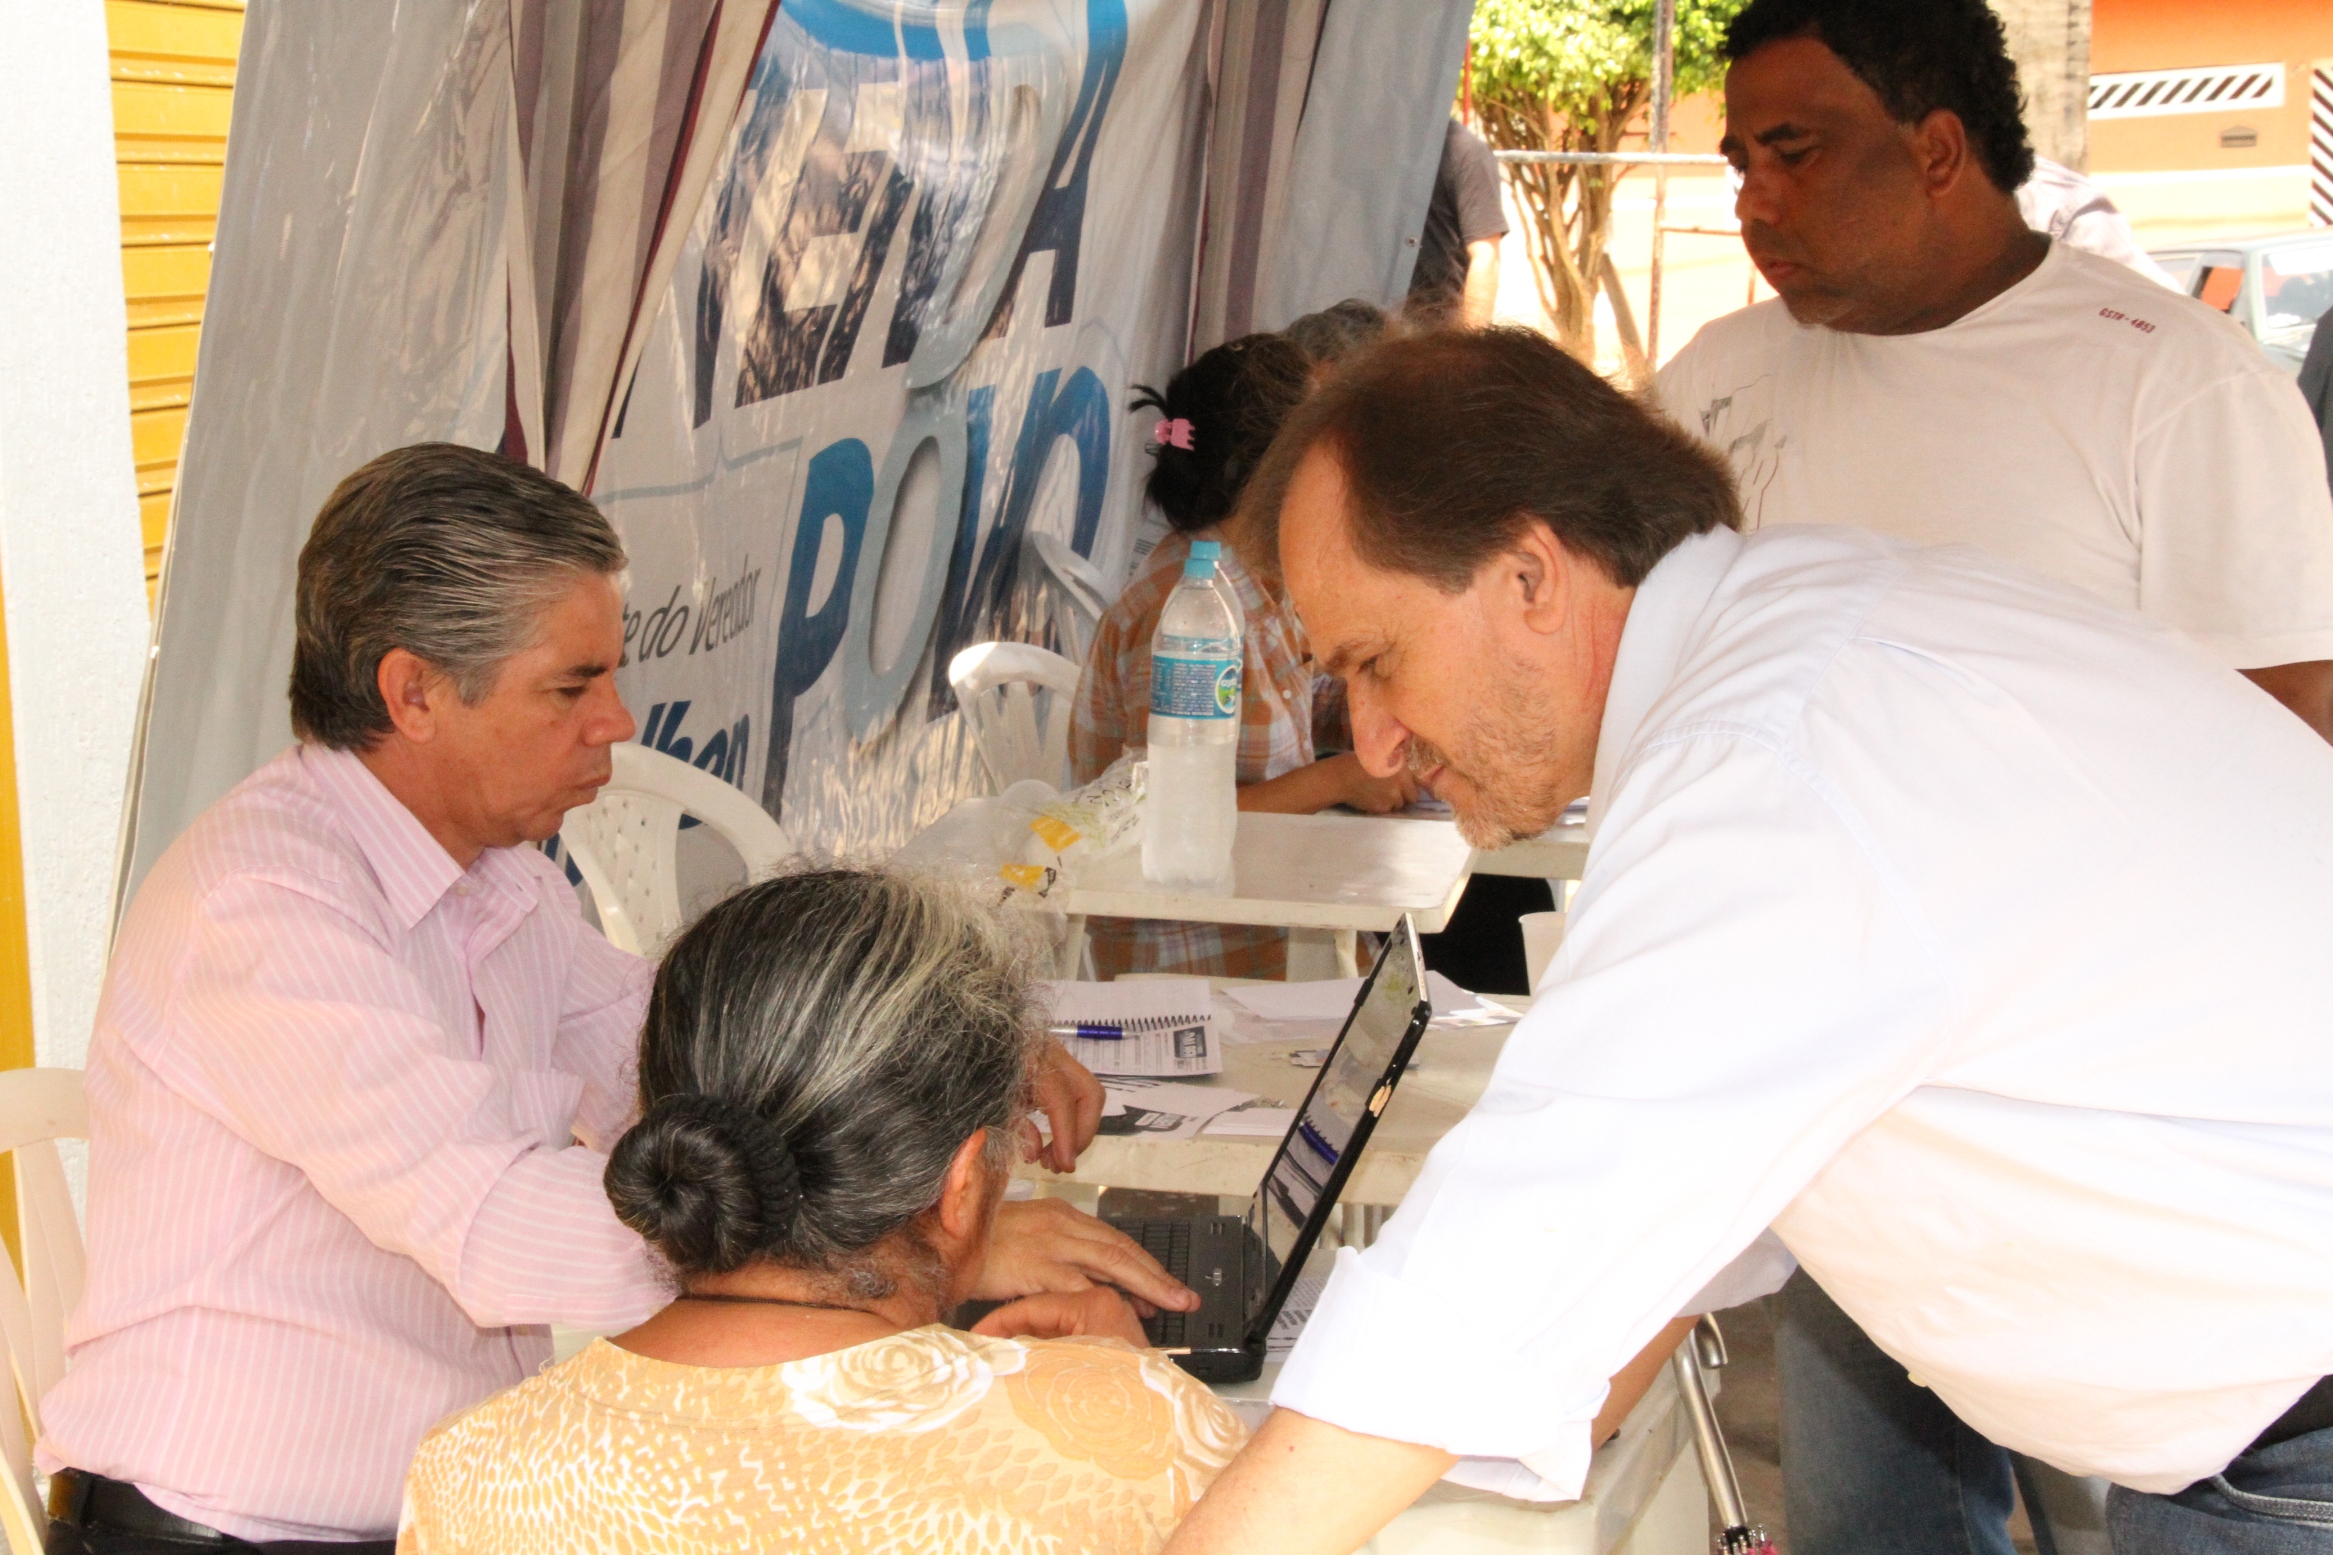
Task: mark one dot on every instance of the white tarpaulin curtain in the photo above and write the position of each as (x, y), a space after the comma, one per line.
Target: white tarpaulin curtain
(620, 108)
(830, 306)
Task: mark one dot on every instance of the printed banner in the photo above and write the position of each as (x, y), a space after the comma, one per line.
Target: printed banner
(943, 244)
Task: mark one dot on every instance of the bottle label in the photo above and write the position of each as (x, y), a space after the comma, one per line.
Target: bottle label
(1194, 688)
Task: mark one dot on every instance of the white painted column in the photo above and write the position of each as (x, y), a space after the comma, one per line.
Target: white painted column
(71, 556)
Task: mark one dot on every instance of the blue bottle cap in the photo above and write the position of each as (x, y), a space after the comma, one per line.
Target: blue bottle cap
(1198, 567)
(1208, 549)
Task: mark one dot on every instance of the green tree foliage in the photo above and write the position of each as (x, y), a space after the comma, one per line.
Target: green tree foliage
(1576, 75)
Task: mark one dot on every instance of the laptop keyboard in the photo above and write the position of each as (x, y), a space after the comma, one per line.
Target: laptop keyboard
(1169, 1241)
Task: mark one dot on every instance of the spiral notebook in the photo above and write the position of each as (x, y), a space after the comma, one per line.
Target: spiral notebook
(1168, 1025)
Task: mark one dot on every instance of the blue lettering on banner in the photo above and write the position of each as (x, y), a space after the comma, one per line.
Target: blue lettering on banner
(1059, 220)
(855, 30)
(955, 598)
(652, 634)
(840, 193)
(1079, 413)
(722, 615)
(724, 752)
(840, 484)
(834, 196)
(932, 424)
(930, 181)
(940, 213)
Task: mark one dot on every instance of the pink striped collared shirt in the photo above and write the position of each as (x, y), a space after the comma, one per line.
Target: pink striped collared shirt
(334, 1189)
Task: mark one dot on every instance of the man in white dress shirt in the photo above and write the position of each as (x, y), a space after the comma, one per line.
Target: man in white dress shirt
(1934, 371)
(1876, 945)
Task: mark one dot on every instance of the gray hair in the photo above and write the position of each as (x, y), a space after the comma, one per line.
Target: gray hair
(818, 1047)
(447, 552)
(1334, 333)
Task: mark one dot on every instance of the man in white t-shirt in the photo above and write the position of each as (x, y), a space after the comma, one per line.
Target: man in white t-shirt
(1935, 370)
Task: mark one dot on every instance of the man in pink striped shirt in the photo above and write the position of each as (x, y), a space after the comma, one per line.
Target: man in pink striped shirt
(360, 1058)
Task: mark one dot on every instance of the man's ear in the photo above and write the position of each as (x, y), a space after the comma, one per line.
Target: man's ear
(405, 683)
(1539, 570)
(1940, 149)
(963, 1205)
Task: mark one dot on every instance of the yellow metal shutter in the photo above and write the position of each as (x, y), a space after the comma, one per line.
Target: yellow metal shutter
(173, 81)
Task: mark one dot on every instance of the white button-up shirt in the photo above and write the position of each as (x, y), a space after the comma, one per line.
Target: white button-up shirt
(334, 1192)
(1974, 936)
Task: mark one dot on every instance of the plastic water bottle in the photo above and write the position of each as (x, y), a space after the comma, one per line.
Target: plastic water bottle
(1212, 550)
(1192, 806)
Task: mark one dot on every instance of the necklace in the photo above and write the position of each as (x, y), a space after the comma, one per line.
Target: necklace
(769, 1301)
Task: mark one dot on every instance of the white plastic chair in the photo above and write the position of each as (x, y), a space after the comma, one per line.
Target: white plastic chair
(625, 842)
(1076, 588)
(997, 684)
(37, 1108)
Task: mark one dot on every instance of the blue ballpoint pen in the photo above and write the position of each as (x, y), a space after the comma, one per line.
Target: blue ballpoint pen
(1091, 1031)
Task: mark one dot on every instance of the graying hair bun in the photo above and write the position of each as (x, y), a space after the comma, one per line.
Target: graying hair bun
(817, 1049)
(712, 1183)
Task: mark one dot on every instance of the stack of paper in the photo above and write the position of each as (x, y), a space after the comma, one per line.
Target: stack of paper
(1162, 1109)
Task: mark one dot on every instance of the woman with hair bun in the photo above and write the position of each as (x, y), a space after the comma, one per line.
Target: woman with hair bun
(833, 1075)
(1216, 418)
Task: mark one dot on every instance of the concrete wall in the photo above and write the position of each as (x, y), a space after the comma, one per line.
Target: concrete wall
(71, 586)
(2050, 40)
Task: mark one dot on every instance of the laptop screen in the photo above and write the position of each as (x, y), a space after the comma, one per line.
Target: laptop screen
(1373, 1035)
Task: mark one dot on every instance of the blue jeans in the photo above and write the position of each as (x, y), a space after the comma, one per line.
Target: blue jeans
(1875, 1464)
(2270, 1501)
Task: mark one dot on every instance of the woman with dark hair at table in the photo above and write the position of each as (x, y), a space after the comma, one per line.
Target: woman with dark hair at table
(1216, 418)
(1218, 415)
(833, 1074)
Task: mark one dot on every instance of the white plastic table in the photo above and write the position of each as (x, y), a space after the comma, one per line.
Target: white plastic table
(1444, 1079)
(1298, 871)
(1559, 853)
(1343, 873)
(1644, 1494)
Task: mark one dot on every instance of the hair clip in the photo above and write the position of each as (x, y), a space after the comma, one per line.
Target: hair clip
(1172, 434)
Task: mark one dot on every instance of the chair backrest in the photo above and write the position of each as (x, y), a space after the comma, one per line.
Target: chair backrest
(37, 1108)
(997, 684)
(625, 843)
(1076, 588)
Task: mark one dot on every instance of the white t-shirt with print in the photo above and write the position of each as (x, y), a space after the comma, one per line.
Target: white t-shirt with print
(2086, 423)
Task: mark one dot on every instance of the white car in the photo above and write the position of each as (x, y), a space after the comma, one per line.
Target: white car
(2276, 287)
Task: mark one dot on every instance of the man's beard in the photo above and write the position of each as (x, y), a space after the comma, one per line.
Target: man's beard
(1513, 791)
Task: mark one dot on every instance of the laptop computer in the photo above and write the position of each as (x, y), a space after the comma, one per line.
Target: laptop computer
(1245, 1266)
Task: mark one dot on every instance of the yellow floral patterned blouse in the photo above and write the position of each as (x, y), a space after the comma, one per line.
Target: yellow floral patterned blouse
(928, 1440)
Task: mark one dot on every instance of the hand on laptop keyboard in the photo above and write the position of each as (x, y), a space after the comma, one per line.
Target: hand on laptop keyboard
(1045, 1245)
(1057, 1314)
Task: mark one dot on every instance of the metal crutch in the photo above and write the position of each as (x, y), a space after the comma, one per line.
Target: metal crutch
(1706, 1347)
